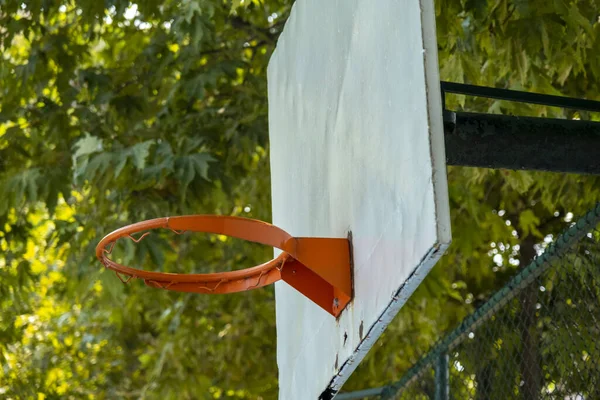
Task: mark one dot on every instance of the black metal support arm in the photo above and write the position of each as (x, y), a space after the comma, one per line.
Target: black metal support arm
(521, 97)
(500, 141)
(522, 143)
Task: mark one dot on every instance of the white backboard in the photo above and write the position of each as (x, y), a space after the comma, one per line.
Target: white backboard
(355, 122)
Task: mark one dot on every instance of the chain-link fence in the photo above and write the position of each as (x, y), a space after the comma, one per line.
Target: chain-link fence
(536, 338)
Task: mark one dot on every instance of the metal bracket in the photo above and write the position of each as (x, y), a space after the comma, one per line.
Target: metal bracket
(521, 143)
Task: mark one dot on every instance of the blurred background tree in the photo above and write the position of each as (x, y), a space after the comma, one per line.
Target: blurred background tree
(113, 112)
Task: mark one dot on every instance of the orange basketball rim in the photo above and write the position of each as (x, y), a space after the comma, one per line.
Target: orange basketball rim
(319, 268)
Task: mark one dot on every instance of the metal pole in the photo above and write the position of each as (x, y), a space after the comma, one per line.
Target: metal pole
(442, 378)
(521, 97)
(501, 141)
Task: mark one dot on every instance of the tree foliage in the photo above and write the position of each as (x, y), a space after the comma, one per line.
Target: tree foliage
(113, 112)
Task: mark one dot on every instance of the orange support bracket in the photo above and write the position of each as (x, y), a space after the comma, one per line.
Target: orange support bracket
(319, 268)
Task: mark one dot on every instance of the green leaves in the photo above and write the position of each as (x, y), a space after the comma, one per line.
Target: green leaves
(529, 223)
(21, 187)
(136, 154)
(110, 116)
(189, 167)
(91, 162)
(139, 152)
(163, 163)
(520, 181)
(83, 148)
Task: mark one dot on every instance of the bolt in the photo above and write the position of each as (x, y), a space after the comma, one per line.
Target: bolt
(336, 302)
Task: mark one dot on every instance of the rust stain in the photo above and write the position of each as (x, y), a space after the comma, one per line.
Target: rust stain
(361, 329)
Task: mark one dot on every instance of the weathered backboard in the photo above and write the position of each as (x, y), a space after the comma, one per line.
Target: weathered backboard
(355, 122)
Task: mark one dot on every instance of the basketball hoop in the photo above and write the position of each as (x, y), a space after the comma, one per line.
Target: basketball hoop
(319, 268)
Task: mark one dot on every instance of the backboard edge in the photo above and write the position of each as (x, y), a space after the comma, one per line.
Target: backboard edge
(388, 314)
(436, 124)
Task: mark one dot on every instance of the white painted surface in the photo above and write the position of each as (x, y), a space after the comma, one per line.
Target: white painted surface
(356, 135)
